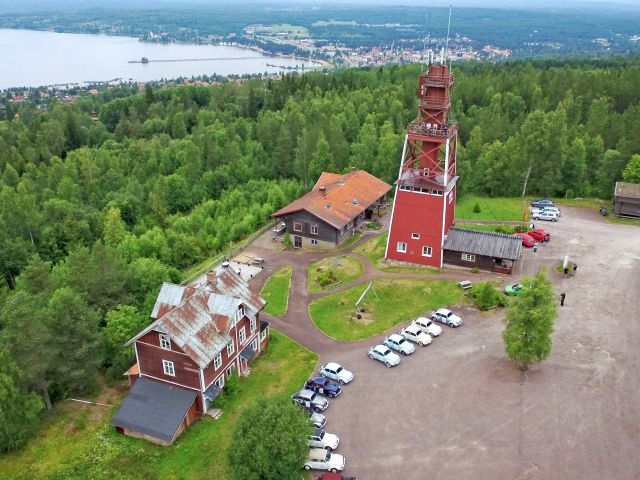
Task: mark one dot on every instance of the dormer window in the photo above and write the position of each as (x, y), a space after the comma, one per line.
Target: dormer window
(239, 314)
(165, 341)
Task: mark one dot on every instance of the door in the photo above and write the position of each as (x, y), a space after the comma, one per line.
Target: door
(297, 241)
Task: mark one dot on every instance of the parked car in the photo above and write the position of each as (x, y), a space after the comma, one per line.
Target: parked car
(543, 202)
(383, 354)
(427, 326)
(310, 400)
(414, 333)
(336, 372)
(320, 459)
(399, 344)
(539, 234)
(555, 210)
(546, 216)
(527, 240)
(446, 316)
(323, 386)
(318, 420)
(515, 289)
(322, 439)
(335, 476)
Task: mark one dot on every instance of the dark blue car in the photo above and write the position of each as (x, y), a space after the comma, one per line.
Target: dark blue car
(323, 386)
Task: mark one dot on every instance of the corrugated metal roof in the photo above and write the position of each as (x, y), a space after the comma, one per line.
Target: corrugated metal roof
(154, 408)
(170, 296)
(212, 392)
(199, 325)
(490, 244)
(344, 197)
(626, 189)
(248, 353)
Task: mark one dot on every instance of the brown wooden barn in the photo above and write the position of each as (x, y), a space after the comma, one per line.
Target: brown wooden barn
(626, 200)
(495, 252)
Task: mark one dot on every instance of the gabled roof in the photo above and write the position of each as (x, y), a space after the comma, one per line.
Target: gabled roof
(154, 408)
(626, 189)
(490, 244)
(200, 323)
(343, 199)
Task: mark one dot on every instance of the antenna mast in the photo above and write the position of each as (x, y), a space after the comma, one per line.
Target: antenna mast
(446, 48)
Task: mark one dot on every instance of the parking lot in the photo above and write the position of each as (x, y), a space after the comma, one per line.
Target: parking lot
(458, 409)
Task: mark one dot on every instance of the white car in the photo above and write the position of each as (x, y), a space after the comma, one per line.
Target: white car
(316, 419)
(446, 316)
(414, 333)
(535, 211)
(383, 354)
(545, 215)
(399, 344)
(320, 459)
(322, 439)
(427, 326)
(336, 372)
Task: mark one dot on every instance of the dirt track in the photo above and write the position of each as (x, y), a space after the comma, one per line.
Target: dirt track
(457, 409)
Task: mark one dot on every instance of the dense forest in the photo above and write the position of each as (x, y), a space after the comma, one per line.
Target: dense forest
(103, 199)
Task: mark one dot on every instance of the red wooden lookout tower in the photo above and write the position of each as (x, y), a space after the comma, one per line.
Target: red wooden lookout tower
(425, 198)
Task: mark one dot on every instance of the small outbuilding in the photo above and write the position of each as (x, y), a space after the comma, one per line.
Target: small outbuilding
(627, 199)
(495, 252)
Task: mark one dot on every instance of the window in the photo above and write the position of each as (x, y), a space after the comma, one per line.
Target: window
(437, 192)
(230, 348)
(467, 257)
(415, 236)
(220, 381)
(238, 315)
(402, 247)
(242, 336)
(314, 229)
(426, 251)
(314, 241)
(229, 370)
(168, 369)
(217, 362)
(263, 334)
(252, 324)
(297, 227)
(165, 341)
(254, 344)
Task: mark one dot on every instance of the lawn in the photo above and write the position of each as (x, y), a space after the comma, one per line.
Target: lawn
(351, 240)
(397, 301)
(276, 291)
(77, 442)
(492, 209)
(374, 249)
(346, 269)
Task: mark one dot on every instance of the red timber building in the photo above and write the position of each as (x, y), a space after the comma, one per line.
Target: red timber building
(425, 197)
(201, 334)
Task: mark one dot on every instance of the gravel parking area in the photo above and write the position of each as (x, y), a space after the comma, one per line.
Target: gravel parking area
(457, 408)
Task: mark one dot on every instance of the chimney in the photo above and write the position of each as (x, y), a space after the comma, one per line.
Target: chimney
(323, 191)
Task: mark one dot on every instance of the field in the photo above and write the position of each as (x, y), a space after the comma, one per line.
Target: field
(346, 269)
(492, 209)
(374, 248)
(77, 441)
(394, 301)
(276, 291)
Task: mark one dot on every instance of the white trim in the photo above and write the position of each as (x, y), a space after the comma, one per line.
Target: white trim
(312, 228)
(446, 163)
(174, 383)
(430, 250)
(163, 349)
(252, 324)
(399, 250)
(444, 216)
(242, 334)
(164, 338)
(257, 342)
(217, 360)
(395, 197)
(202, 382)
(415, 236)
(233, 348)
(135, 347)
(168, 368)
(221, 376)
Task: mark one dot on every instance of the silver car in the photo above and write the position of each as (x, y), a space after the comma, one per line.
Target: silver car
(545, 215)
(310, 400)
(322, 439)
(446, 316)
(335, 371)
(399, 344)
(383, 354)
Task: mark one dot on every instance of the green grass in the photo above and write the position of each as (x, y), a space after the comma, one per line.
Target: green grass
(276, 291)
(492, 209)
(351, 240)
(325, 23)
(62, 451)
(346, 269)
(374, 249)
(398, 300)
(477, 226)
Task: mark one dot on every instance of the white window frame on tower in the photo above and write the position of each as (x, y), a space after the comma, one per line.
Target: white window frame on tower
(401, 247)
(415, 236)
(427, 251)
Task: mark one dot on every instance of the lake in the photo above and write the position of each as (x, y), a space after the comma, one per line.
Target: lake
(32, 58)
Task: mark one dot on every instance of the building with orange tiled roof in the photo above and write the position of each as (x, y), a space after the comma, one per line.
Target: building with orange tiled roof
(335, 206)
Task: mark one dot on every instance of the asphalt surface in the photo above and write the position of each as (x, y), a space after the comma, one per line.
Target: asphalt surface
(458, 409)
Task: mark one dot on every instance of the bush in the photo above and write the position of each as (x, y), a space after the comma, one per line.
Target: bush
(487, 296)
(520, 228)
(474, 270)
(374, 225)
(287, 240)
(476, 208)
(508, 229)
(327, 277)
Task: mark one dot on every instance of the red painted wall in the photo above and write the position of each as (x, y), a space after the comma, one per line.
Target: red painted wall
(416, 213)
(150, 359)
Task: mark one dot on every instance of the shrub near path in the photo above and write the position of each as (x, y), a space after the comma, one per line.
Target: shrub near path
(398, 300)
(341, 269)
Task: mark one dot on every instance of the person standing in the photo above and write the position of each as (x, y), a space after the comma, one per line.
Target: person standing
(535, 247)
(575, 269)
(562, 297)
(566, 271)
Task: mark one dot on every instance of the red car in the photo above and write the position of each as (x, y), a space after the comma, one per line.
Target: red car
(540, 234)
(527, 240)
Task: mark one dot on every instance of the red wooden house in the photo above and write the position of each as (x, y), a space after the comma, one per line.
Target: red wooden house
(200, 334)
